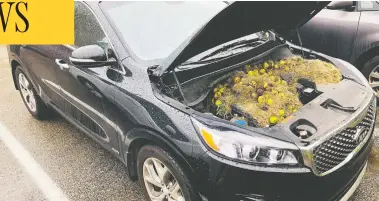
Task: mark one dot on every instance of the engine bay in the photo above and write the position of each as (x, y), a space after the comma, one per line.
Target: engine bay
(256, 91)
(266, 94)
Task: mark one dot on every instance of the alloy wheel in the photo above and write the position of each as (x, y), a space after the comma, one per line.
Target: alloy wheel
(160, 183)
(27, 92)
(373, 79)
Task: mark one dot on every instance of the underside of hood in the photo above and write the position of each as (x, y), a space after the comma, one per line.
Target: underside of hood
(240, 19)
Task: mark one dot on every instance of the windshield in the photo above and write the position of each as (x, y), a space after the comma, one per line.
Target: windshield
(153, 30)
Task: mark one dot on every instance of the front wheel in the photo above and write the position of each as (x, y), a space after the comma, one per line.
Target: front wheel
(161, 177)
(371, 72)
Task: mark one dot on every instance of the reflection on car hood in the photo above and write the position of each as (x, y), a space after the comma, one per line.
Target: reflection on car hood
(240, 19)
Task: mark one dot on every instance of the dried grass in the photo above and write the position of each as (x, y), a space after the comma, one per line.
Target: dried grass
(267, 92)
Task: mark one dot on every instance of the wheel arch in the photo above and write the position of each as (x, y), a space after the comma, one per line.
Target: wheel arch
(137, 138)
(366, 56)
(14, 63)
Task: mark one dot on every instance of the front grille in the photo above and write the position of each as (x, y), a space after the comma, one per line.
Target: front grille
(332, 152)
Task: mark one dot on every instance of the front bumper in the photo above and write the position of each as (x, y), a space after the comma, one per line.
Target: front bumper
(223, 182)
(354, 187)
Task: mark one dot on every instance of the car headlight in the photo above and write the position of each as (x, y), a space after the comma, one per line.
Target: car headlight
(252, 149)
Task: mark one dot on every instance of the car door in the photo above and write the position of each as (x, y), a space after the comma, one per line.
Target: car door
(331, 32)
(368, 29)
(87, 91)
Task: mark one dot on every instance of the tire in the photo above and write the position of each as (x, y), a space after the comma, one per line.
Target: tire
(370, 66)
(40, 110)
(152, 152)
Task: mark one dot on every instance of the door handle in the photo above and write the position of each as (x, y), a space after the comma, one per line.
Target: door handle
(62, 64)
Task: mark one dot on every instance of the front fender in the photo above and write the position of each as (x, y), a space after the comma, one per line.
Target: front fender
(363, 46)
(138, 137)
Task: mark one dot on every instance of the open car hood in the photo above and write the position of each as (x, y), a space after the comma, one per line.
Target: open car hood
(240, 19)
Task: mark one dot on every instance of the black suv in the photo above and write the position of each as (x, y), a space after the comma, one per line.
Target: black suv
(138, 79)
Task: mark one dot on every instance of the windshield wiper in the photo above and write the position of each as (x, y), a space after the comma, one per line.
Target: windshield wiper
(226, 47)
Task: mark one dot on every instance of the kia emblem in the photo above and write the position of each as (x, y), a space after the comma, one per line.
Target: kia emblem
(359, 135)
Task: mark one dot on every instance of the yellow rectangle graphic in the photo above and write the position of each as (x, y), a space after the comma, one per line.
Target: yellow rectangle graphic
(37, 22)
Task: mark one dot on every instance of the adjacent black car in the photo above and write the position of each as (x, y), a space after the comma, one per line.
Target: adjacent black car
(138, 78)
(348, 30)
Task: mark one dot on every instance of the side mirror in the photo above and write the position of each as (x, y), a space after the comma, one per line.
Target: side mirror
(90, 56)
(340, 5)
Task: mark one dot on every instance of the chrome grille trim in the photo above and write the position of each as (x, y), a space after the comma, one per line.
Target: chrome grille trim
(336, 142)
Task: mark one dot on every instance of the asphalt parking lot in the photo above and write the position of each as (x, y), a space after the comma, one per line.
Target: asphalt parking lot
(53, 158)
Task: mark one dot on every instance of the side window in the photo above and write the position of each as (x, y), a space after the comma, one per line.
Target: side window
(87, 29)
(369, 5)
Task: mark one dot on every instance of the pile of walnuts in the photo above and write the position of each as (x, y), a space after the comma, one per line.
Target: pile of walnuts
(267, 92)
